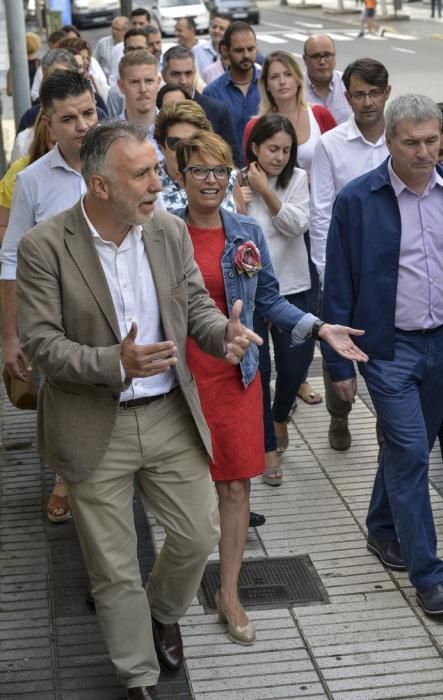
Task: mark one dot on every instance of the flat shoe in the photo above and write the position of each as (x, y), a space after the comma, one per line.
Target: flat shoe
(56, 504)
(432, 600)
(308, 395)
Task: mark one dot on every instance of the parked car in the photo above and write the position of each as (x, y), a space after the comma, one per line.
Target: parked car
(246, 10)
(167, 12)
(90, 12)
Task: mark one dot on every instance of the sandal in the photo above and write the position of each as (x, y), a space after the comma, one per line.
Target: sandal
(273, 475)
(58, 510)
(308, 395)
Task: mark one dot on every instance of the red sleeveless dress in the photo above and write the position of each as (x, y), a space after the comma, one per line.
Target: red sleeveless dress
(234, 414)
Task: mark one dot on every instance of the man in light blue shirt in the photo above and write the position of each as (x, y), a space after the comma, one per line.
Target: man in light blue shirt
(207, 52)
(45, 188)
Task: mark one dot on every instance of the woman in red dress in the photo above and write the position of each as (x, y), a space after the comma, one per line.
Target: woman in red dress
(234, 260)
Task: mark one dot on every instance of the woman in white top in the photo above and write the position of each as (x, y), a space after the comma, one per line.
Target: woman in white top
(277, 196)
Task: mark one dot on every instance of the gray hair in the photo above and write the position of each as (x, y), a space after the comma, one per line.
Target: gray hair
(55, 56)
(99, 139)
(411, 108)
(177, 53)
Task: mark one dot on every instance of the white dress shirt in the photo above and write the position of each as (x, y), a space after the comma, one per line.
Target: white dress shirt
(116, 57)
(341, 155)
(129, 277)
(284, 232)
(43, 189)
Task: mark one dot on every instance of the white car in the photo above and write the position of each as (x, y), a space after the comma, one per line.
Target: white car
(167, 12)
(90, 12)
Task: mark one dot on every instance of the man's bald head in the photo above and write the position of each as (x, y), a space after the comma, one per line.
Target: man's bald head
(319, 58)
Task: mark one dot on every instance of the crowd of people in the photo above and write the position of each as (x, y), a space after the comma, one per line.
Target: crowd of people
(172, 222)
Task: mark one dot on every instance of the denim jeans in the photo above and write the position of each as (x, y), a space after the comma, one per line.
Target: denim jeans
(290, 364)
(408, 397)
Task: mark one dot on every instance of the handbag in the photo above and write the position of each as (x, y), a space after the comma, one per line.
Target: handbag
(22, 395)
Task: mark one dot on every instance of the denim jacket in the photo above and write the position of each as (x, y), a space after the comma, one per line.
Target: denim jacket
(261, 291)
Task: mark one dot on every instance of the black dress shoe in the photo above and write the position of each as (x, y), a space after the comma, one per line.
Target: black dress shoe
(256, 519)
(142, 693)
(168, 645)
(432, 600)
(388, 552)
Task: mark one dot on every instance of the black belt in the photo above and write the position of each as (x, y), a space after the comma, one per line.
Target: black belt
(420, 331)
(145, 400)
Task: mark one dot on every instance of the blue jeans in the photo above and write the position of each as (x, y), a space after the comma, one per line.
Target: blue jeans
(408, 397)
(290, 364)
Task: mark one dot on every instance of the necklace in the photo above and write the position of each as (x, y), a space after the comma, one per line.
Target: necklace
(245, 83)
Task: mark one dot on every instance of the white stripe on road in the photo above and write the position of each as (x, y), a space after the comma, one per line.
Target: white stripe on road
(402, 37)
(397, 48)
(339, 37)
(271, 39)
(296, 36)
(309, 25)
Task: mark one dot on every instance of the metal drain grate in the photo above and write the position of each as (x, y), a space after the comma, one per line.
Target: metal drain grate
(270, 583)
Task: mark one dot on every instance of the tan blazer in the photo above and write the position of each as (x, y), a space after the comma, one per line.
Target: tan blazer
(69, 330)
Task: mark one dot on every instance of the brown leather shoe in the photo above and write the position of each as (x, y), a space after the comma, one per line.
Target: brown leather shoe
(168, 645)
(147, 693)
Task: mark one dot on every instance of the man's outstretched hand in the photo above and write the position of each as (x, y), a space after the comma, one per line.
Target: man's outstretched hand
(238, 337)
(339, 338)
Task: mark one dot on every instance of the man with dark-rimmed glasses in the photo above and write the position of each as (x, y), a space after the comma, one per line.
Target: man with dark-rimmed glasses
(342, 154)
(323, 83)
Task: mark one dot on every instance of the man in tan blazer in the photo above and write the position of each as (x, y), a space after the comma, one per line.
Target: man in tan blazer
(108, 292)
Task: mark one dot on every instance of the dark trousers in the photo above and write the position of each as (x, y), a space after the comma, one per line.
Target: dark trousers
(435, 5)
(407, 393)
(290, 365)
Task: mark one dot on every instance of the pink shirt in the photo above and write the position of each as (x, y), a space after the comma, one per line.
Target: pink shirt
(420, 274)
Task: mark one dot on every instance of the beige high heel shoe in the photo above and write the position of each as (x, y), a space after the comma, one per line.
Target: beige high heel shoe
(239, 635)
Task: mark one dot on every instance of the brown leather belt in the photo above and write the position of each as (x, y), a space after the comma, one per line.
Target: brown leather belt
(145, 400)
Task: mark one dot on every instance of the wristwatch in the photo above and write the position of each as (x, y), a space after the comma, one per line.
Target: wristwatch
(315, 328)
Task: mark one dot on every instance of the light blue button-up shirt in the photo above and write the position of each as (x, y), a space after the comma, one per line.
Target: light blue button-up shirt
(419, 302)
(43, 189)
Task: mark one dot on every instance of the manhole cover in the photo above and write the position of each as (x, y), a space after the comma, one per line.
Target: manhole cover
(270, 583)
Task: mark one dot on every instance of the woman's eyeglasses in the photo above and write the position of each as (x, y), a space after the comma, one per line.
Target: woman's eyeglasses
(200, 172)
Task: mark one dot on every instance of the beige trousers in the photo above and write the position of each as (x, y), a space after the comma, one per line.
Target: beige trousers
(159, 445)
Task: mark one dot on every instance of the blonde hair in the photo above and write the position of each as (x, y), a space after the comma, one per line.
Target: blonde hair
(267, 102)
(33, 43)
(177, 113)
(140, 57)
(205, 144)
(40, 142)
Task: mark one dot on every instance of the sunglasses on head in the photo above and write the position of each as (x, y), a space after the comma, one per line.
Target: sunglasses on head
(172, 141)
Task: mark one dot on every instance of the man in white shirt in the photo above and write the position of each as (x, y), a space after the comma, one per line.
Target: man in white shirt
(140, 83)
(342, 154)
(109, 292)
(186, 32)
(139, 18)
(207, 52)
(323, 83)
(104, 46)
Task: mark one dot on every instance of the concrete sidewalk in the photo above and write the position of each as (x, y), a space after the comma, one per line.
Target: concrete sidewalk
(370, 642)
